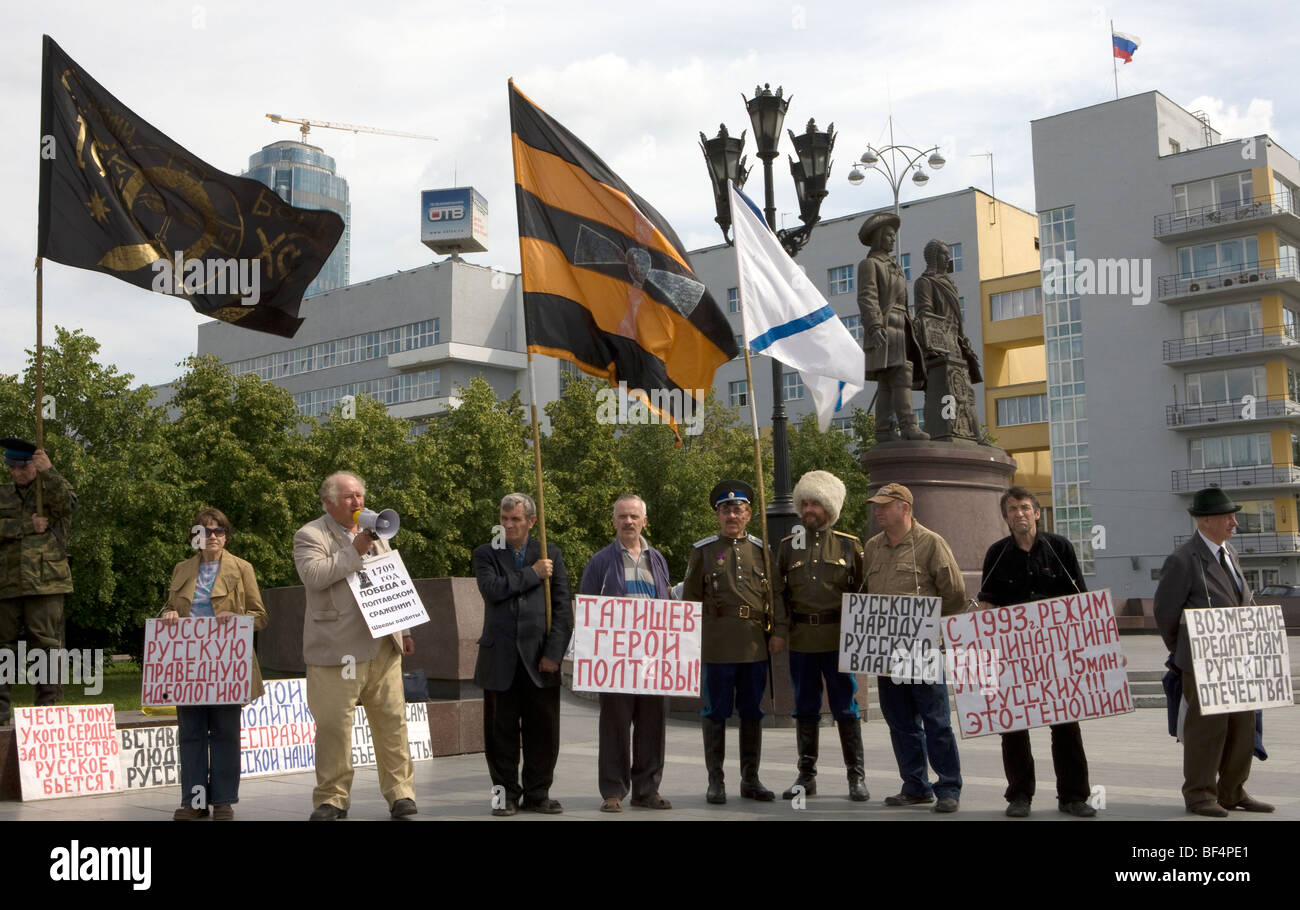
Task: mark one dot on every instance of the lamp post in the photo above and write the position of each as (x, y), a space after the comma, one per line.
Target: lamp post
(725, 160)
(902, 160)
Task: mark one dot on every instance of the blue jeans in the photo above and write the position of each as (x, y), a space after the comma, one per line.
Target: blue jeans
(807, 670)
(208, 736)
(733, 685)
(909, 707)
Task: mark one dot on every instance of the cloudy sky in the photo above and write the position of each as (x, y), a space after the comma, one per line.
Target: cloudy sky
(637, 82)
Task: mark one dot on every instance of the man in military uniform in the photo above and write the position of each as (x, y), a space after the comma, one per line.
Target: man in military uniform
(726, 574)
(908, 558)
(893, 356)
(34, 572)
(816, 566)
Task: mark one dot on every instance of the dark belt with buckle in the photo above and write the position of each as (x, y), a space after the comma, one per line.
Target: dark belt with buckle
(744, 611)
(820, 618)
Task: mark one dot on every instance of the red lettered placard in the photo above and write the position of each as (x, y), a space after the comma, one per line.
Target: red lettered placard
(66, 750)
(1036, 664)
(198, 661)
(637, 645)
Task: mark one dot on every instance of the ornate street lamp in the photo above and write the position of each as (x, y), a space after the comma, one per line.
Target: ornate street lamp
(810, 172)
(902, 160)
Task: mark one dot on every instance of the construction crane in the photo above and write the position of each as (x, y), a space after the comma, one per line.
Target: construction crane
(305, 126)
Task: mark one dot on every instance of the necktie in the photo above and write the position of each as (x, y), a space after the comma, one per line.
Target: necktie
(1227, 570)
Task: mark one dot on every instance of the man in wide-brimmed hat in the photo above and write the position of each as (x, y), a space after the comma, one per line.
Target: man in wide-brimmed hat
(893, 355)
(1205, 572)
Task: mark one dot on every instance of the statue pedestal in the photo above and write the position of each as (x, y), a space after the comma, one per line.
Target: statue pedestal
(956, 487)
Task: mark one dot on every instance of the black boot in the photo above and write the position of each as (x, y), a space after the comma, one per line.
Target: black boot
(851, 744)
(715, 750)
(751, 749)
(805, 737)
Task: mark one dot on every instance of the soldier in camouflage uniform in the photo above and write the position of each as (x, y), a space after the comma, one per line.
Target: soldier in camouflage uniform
(34, 572)
(726, 574)
(816, 567)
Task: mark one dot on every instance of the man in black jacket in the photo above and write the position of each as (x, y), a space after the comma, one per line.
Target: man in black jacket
(519, 658)
(1034, 565)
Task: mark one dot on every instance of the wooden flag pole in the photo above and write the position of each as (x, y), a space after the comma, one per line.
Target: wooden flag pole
(537, 466)
(40, 371)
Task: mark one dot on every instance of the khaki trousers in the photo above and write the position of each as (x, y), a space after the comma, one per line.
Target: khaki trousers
(331, 697)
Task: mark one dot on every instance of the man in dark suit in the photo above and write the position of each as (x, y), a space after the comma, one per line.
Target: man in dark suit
(519, 658)
(1205, 572)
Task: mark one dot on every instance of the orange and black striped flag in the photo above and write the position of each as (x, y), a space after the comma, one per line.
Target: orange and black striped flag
(607, 284)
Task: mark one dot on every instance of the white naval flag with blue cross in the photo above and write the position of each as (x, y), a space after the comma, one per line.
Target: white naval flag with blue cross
(784, 316)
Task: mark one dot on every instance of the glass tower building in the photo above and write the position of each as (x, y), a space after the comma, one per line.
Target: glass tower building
(305, 176)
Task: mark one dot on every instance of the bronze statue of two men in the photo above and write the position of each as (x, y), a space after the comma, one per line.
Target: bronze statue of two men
(931, 354)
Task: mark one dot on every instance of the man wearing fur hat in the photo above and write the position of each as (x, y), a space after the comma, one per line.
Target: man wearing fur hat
(816, 566)
(1205, 572)
(894, 358)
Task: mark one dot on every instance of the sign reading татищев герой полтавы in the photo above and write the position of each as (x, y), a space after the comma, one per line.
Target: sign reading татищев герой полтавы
(386, 595)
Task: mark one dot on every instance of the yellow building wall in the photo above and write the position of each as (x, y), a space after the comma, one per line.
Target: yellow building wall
(1280, 440)
(1284, 514)
(1268, 246)
(1006, 245)
(1275, 377)
(1270, 309)
(1261, 179)
(1033, 471)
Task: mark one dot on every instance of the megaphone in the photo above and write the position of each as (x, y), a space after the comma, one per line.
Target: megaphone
(385, 524)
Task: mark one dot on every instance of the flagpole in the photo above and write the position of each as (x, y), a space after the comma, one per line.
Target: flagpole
(537, 467)
(40, 371)
(1113, 66)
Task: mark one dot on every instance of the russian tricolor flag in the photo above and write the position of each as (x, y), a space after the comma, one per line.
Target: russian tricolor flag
(1125, 45)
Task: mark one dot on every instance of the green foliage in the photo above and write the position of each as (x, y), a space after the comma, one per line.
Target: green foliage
(239, 445)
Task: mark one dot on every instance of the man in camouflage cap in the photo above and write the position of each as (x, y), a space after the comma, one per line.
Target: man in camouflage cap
(34, 572)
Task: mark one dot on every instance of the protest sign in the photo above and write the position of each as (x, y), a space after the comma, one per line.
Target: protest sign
(278, 734)
(1240, 658)
(149, 757)
(66, 750)
(1035, 664)
(386, 595)
(891, 635)
(197, 661)
(637, 645)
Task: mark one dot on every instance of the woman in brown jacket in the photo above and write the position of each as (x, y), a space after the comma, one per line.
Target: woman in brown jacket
(216, 583)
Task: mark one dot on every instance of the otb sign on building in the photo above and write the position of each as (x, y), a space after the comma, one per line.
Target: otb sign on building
(454, 220)
(642, 646)
(198, 661)
(1240, 658)
(891, 635)
(1051, 661)
(66, 750)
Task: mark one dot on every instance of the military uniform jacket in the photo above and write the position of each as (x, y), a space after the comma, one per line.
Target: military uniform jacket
(812, 581)
(922, 563)
(32, 563)
(726, 575)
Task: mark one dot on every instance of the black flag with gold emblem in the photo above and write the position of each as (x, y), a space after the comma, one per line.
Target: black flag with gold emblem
(118, 196)
(607, 284)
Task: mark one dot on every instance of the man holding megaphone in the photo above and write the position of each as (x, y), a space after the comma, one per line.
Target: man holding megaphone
(345, 664)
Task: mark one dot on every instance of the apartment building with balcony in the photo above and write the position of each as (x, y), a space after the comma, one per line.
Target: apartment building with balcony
(1176, 364)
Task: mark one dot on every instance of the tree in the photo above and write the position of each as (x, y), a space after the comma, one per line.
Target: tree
(243, 452)
(111, 446)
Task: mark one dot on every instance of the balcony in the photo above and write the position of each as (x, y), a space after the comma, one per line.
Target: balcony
(1229, 344)
(1265, 407)
(1278, 211)
(1256, 544)
(1238, 280)
(1265, 476)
